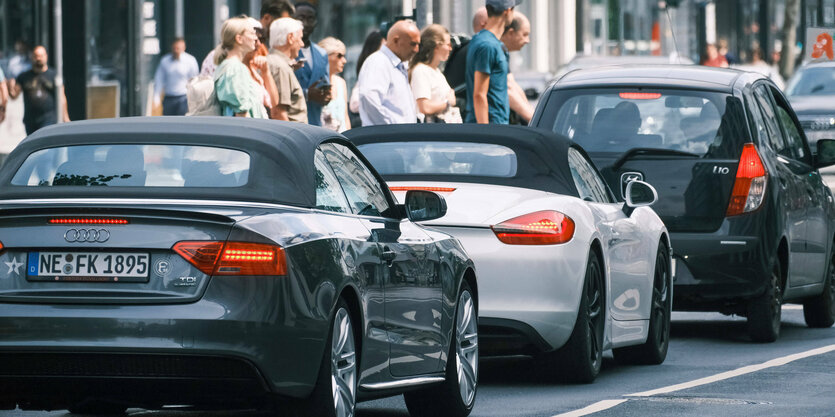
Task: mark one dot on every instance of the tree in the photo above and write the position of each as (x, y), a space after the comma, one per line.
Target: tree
(789, 37)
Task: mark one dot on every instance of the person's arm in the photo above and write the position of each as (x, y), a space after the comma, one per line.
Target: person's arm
(269, 81)
(65, 113)
(518, 99)
(481, 82)
(280, 112)
(344, 87)
(4, 99)
(14, 89)
(422, 90)
(373, 85)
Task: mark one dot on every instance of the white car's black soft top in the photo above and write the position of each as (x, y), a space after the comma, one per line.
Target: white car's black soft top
(542, 155)
(281, 153)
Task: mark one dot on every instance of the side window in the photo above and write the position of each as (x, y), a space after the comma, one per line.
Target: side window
(589, 185)
(775, 135)
(365, 194)
(794, 140)
(756, 120)
(329, 195)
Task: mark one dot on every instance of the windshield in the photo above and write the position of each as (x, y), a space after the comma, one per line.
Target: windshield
(134, 166)
(617, 120)
(813, 82)
(441, 158)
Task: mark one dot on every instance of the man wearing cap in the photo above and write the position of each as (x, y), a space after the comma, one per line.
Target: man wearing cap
(487, 67)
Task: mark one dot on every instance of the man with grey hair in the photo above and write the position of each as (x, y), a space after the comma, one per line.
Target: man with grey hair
(384, 90)
(516, 35)
(285, 43)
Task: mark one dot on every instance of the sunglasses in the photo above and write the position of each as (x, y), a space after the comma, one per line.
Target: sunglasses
(339, 55)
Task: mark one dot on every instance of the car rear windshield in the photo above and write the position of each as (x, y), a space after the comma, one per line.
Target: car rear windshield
(441, 158)
(813, 82)
(617, 120)
(125, 165)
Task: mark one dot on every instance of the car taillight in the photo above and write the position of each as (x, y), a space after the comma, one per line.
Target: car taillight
(749, 186)
(88, 220)
(2, 247)
(538, 228)
(234, 258)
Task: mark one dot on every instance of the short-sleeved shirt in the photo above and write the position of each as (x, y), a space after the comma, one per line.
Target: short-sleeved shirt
(38, 96)
(290, 92)
(487, 54)
(429, 83)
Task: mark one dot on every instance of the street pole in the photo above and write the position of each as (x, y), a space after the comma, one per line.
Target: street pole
(59, 62)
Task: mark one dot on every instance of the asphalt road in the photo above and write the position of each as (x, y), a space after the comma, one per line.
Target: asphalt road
(794, 376)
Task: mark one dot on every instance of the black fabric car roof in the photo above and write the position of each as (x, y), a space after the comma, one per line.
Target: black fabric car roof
(542, 156)
(281, 156)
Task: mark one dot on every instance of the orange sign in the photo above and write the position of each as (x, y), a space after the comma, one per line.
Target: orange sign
(819, 44)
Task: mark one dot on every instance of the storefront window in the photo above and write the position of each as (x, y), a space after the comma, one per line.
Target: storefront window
(107, 57)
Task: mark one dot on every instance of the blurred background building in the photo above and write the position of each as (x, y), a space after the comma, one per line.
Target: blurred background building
(112, 47)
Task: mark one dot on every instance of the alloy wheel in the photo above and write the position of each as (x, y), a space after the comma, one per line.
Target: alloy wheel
(595, 309)
(466, 349)
(660, 300)
(343, 365)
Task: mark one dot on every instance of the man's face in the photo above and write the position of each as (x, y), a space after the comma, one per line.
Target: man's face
(39, 56)
(308, 18)
(407, 45)
(296, 42)
(178, 48)
(515, 40)
(266, 21)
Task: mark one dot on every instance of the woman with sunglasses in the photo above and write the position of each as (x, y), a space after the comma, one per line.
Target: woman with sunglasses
(435, 98)
(335, 113)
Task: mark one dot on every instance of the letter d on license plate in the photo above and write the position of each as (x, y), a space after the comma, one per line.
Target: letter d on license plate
(88, 266)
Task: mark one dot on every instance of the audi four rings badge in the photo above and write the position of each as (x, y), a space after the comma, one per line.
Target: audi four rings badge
(87, 235)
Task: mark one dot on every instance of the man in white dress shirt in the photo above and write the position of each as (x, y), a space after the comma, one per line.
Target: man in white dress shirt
(384, 92)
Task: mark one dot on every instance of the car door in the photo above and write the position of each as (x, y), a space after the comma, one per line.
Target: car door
(361, 255)
(788, 175)
(815, 197)
(409, 260)
(630, 290)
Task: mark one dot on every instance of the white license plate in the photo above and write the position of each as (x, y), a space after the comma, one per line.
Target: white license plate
(88, 266)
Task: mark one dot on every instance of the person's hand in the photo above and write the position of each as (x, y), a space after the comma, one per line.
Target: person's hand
(2, 114)
(296, 65)
(260, 64)
(320, 95)
(451, 98)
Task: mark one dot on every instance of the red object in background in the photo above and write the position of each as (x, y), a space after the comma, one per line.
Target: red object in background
(823, 45)
(656, 38)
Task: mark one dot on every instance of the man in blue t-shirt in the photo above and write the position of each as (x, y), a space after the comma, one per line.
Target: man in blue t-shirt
(487, 67)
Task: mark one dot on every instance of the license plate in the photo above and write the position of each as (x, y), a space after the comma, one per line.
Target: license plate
(88, 266)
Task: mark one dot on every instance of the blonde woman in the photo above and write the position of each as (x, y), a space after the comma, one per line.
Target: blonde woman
(335, 113)
(435, 98)
(237, 93)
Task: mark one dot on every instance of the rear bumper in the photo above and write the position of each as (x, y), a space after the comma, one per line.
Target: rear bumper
(528, 295)
(713, 270)
(249, 332)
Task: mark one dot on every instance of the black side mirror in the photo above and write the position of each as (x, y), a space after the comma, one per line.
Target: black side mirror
(825, 155)
(424, 205)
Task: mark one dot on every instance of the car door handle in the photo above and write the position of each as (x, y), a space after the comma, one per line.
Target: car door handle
(388, 255)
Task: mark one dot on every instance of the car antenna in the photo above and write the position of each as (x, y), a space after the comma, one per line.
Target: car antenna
(673, 32)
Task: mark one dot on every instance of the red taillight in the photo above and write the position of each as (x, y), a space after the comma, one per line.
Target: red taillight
(233, 258)
(240, 258)
(433, 189)
(91, 220)
(640, 96)
(2, 247)
(539, 228)
(749, 186)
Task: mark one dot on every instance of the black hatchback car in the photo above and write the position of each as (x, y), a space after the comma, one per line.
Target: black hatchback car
(751, 221)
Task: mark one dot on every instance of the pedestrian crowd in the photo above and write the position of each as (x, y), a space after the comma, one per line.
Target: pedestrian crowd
(271, 68)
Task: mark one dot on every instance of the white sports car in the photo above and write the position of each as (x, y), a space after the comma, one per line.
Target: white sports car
(565, 270)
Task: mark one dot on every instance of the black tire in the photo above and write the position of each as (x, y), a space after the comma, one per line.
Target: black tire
(322, 401)
(97, 408)
(819, 311)
(582, 356)
(447, 399)
(765, 311)
(654, 350)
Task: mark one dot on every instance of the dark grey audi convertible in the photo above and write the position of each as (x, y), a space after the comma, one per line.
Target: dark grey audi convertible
(220, 263)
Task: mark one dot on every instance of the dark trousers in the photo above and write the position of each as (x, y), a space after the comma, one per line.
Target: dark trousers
(174, 106)
(34, 125)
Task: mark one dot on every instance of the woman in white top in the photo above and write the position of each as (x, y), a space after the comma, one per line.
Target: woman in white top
(335, 113)
(435, 98)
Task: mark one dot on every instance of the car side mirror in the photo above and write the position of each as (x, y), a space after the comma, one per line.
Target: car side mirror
(424, 205)
(640, 194)
(825, 155)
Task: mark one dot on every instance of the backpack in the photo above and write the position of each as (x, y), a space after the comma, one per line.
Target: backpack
(202, 100)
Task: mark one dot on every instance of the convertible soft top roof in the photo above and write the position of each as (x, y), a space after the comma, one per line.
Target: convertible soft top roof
(542, 156)
(281, 154)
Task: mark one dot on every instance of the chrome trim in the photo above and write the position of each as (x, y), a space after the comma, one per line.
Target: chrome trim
(733, 242)
(421, 380)
(145, 201)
